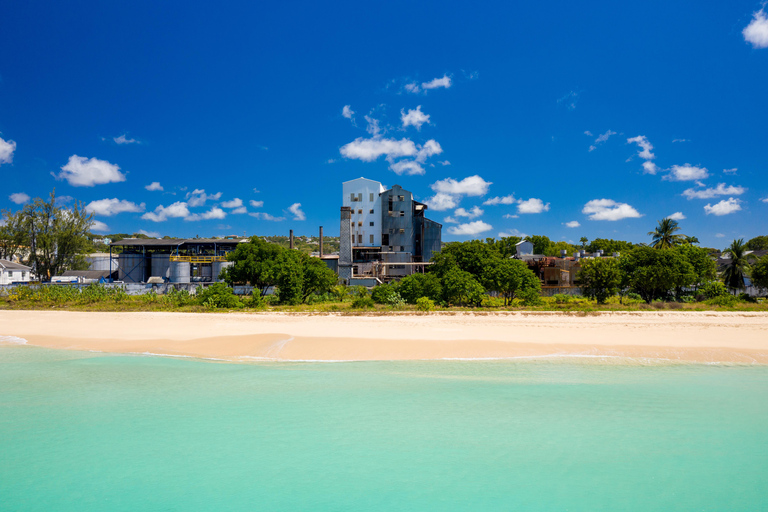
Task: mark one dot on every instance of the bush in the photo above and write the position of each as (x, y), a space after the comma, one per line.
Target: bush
(723, 300)
(744, 297)
(395, 301)
(713, 289)
(561, 298)
(420, 285)
(254, 301)
(358, 291)
(425, 304)
(218, 295)
(384, 294)
(363, 302)
(530, 297)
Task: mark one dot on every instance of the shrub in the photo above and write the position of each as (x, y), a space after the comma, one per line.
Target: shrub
(425, 304)
(723, 300)
(384, 293)
(340, 291)
(396, 301)
(359, 291)
(420, 285)
(530, 298)
(561, 298)
(363, 302)
(744, 297)
(218, 295)
(254, 301)
(713, 289)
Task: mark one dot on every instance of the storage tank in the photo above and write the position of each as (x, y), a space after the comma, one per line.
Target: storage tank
(100, 261)
(161, 265)
(206, 272)
(179, 271)
(131, 268)
(218, 266)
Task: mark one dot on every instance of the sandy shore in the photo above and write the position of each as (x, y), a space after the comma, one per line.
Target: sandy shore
(701, 337)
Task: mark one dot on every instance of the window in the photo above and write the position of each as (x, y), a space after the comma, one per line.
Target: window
(371, 196)
(371, 238)
(401, 198)
(360, 196)
(402, 248)
(371, 223)
(360, 223)
(371, 211)
(390, 248)
(359, 239)
(352, 197)
(402, 213)
(353, 225)
(402, 231)
(360, 212)
(385, 239)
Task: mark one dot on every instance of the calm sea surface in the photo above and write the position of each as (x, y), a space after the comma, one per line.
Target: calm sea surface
(95, 432)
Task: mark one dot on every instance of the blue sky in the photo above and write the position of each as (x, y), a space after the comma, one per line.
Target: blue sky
(551, 118)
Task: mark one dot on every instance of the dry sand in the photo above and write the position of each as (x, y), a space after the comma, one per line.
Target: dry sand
(684, 336)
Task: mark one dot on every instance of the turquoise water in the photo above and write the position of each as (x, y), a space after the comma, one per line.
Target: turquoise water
(81, 431)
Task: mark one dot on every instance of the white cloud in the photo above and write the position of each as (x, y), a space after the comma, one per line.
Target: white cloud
(412, 87)
(407, 167)
(451, 220)
(414, 118)
(511, 216)
(730, 171)
(473, 212)
(532, 205)
(256, 204)
(676, 216)
(569, 100)
(7, 147)
(686, 172)
(435, 83)
(765, 199)
(19, 197)
(650, 167)
(151, 234)
(430, 148)
(441, 202)
(97, 225)
(155, 185)
(724, 207)
(239, 211)
(444, 162)
(298, 214)
(162, 213)
(709, 193)
(470, 228)
(369, 150)
(510, 199)
(514, 232)
(373, 126)
(266, 216)
(719, 235)
(604, 137)
(198, 197)
(572, 224)
(235, 203)
(213, 213)
(680, 140)
(469, 186)
(110, 207)
(588, 133)
(347, 112)
(87, 172)
(608, 209)
(645, 147)
(756, 33)
(123, 140)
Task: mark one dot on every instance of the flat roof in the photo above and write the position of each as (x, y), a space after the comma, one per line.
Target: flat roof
(172, 242)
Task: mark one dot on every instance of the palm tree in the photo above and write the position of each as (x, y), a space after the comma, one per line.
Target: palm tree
(738, 265)
(664, 236)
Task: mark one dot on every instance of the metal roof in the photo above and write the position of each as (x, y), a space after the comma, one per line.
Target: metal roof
(173, 242)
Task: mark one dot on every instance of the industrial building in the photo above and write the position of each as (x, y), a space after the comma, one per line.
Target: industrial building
(384, 234)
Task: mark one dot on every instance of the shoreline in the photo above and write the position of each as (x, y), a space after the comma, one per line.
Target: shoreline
(702, 337)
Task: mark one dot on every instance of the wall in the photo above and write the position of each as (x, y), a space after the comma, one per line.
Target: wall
(369, 191)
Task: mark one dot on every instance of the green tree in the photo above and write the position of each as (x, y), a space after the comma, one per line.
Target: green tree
(759, 243)
(704, 267)
(583, 241)
(510, 278)
(655, 273)
(415, 286)
(609, 246)
(460, 287)
(664, 236)
(254, 263)
(14, 234)
(600, 278)
(507, 245)
(759, 273)
(540, 243)
(737, 266)
(555, 248)
(289, 277)
(318, 278)
(471, 256)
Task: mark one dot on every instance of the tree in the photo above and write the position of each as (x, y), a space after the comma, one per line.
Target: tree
(471, 256)
(289, 277)
(510, 278)
(461, 287)
(655, 273)
(600, 278)
(583, 241)
(555, 248)
(318, 278)
(415, 286)
(254, 263)
(609, 246)
(540, 243)
(57, 237)
(759, 243)
(704, 267)
(738, 265)
(664, 236)
(759, 273)
(14, 234)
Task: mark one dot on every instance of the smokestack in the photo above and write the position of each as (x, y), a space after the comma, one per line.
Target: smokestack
(290, 240)
(321, 241)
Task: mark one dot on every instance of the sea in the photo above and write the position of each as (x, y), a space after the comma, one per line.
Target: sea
(82, 431)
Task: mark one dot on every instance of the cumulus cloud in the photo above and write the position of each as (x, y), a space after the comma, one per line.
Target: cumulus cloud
(97, 225)
(155, 185)
(572, 224)
(7, 147)
(373, 126)
(608, 209)
(235, 203)
(256, 204)
(514, 232)
(473, 212)
(87, 172)
(444, 162)
(724, 207)
(756, 33)
(510, 199)
(645, 152)
(414, 118)
(369, 150)
(676, 216)
(239, 211)
(650, 167)
(266, 216)
(470, 228)
(198, 197)
(709, 193)
(469, 186)
(124, 140)
(765, 199)
(441, 202)
(686, 172)
(110, 207)
(213, 213)
(348, 112)
(179, 209)
(298, 214)
(151, 234)
(436, 83)
(19, 197)
(407, 167)
(532, 205)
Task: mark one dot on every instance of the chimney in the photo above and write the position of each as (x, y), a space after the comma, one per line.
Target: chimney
(321, 241)
(290, 240)
(345, 245)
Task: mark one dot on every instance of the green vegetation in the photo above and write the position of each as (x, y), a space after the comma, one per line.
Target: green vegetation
(737, 267)
(664, 236)
(600, 278)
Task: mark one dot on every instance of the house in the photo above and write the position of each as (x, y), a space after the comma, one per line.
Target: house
(13, 273)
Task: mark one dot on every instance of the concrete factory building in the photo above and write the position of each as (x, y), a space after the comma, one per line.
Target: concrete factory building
(384, 233)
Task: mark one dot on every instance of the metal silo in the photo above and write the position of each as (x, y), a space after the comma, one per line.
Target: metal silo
(218, 266)
(179, 271)
(161, 265)
(131, 268)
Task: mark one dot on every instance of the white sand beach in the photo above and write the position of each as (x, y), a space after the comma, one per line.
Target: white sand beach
(683, 336)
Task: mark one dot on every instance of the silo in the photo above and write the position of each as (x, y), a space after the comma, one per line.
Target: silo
(218, 266)
(131, 268)
(100, 261)
(179, 271)
(161, 264)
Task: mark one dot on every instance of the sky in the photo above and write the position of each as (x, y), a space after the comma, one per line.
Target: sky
(555, 118)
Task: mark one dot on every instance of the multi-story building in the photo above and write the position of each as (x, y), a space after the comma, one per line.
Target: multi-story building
(384, 233)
